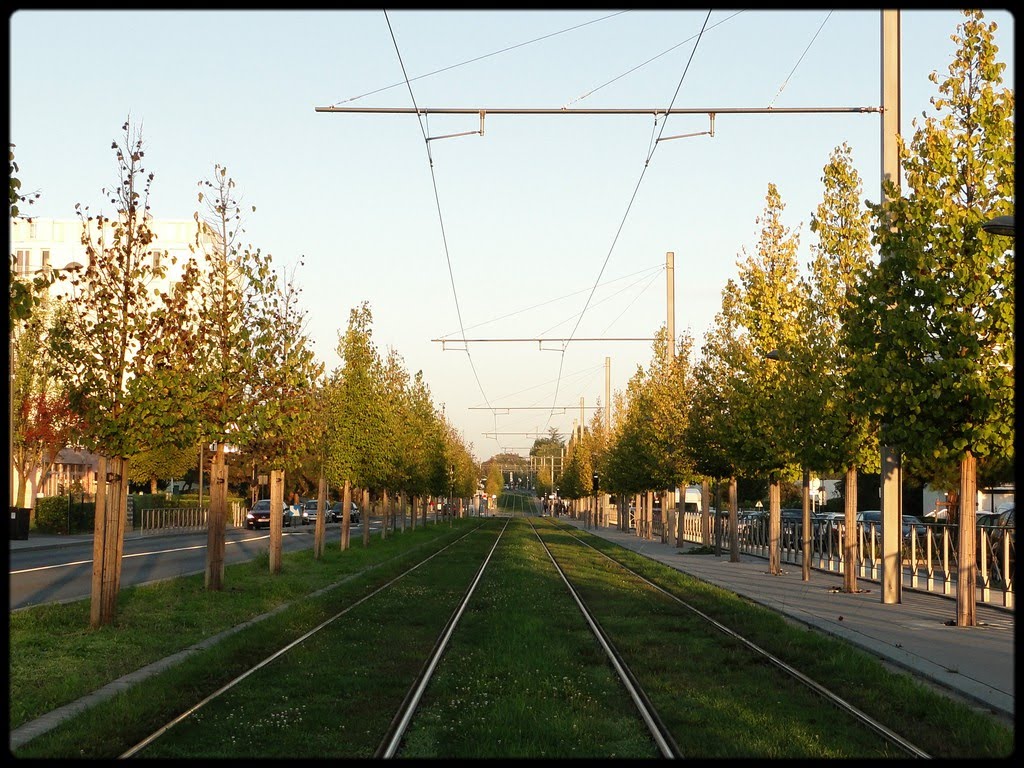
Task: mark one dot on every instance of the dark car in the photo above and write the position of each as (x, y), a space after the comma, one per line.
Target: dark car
(914, 527)
(1000, 528)
(791, 521)
(871, 519)
(337, 509)
(259, 516)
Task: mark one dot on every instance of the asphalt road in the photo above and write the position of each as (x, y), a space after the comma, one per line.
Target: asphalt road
(64, 573)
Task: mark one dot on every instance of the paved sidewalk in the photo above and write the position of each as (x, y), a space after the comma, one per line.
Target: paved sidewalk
(974, 662)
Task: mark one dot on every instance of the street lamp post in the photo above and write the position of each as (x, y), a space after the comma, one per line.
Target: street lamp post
(1000, 225)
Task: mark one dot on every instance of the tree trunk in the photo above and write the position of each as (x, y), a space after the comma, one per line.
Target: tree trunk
(734, 527)
(366, 517)
(805, 528)
(705, 511)
(774, 526)
(850, 532)
(215, 523)
(276, 518)
(108, 539)
(966, 568)
(320, 532)
(346, 515)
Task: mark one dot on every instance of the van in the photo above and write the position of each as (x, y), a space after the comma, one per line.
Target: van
(691, 498)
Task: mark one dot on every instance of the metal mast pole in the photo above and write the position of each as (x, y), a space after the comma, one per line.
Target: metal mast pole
(890, 456)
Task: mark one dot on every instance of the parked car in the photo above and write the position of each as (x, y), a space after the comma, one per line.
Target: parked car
(791, 521)
(914, 526)
(871, 519)
(259, 515)
(309, 511)
(337, 510)
(998, 527)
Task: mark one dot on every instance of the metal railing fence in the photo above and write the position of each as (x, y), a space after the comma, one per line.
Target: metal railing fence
(182, 519)
(929, 559)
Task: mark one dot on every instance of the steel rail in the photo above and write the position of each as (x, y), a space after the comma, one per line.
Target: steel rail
(658, 730)
(396, 730)
(842, 704)
(281, 651)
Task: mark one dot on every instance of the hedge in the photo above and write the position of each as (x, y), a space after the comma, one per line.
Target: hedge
(64, 514)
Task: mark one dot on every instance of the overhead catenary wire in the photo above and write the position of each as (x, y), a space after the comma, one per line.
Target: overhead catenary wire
(635, 299)
(424, 113)
(478, 58)
(440, 216)
(592, 91)
(632, 199)
(609, 297)
(657, 267)
(786, 81)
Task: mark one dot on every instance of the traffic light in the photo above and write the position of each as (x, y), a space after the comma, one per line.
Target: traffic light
(596, 484)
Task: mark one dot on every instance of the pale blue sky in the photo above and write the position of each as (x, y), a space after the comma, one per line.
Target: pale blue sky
(531, 211)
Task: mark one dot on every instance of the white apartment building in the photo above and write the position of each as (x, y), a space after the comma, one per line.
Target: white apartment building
(39, 244)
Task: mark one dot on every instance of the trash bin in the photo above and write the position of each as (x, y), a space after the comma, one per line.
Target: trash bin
(19, 522)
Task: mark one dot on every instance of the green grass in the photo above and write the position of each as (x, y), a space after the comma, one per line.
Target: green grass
(934, 722)
(521, 677)
(55, 657)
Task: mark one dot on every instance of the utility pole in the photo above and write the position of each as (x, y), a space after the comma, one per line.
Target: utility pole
(670, 505)
(890, 456)
(607, 500)
(670, 303)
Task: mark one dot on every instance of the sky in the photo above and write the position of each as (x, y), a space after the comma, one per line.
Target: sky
(544, 227)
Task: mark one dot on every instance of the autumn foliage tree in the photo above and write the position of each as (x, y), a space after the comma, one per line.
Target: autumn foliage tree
(124, 353)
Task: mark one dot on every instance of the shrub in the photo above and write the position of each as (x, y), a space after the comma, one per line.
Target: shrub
(64, 514)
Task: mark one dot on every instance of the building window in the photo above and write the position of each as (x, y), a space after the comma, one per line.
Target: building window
(156, 260)
(45, 258)
(21, 266)
(31, 230)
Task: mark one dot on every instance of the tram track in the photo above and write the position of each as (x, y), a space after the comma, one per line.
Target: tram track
(151, 743)
(660, 733)
(890, 736)
(380, 703)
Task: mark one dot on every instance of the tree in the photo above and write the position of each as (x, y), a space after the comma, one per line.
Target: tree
(356, 420)
(931, 330)
(766, 309)
(124, 355)
(43, 422)
(24, 295)
(231, 291)
(495, 481)
(283, 385)
(162, 463)
(831, 432)
(708, 433)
